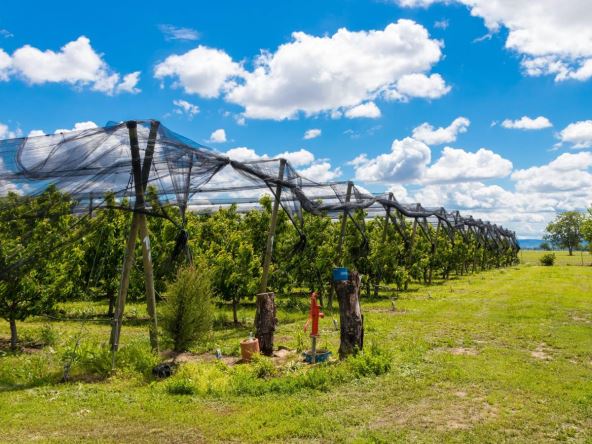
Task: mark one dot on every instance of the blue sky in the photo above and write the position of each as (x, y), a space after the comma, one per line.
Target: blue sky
(464, 66)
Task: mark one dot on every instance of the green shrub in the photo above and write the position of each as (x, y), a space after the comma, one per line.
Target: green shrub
(261, 376)
(188, 313)
(547, 259)
(181, 386)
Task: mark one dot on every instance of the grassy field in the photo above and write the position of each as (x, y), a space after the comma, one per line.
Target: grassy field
(501, 356)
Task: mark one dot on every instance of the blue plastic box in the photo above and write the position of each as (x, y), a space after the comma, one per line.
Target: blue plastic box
(340, 274)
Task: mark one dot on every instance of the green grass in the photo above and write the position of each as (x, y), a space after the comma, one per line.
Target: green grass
(500, 356)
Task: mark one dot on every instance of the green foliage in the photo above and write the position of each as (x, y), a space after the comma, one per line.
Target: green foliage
(545, 246)
(547, 259)
(34, 271)
(188, 313)
(261, 376)
(566, 230)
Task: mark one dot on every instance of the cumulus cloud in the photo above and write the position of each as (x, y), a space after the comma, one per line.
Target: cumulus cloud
(312, 133)
(420, 86)
(218, 136)
(427, 134)
(7, 133)
(76, 63)
(172, 32)
(78, 126)
(364, 110)
(553, 38)
(568, 172)
(579, 134)
(456, 165)
(318, 170)
(310, 74)
(321, 172)
(406, 162)
(526, 123)
(203, 71)
(185, 107)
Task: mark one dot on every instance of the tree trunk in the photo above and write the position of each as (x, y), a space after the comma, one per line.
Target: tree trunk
(265, 322)
(350, 316)
(13, 335)
(235, 310)
(570, 248)
(111, 305)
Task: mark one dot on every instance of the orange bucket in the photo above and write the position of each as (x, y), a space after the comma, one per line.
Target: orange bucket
(248, 348)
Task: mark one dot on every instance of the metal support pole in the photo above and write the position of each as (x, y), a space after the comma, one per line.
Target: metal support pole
(272, 226)
(384, 236)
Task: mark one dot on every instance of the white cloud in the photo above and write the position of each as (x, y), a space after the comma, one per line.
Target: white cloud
(7, 133)
(298, 158)
(78, 126)
(579, 134)
(312, 75)
(457, 165)
(129, 83)
(218, 136)
(400, 193)
(312, 133)
(553, 38)
(364, 110)
(441, 24)
(203, 71)
(418, 85)
(427, 134)
(5, 63)
(568, 172)
(406, 162)
(526, 123)
(185, 107)
(76, 63)
(321, 172)
(172, 32)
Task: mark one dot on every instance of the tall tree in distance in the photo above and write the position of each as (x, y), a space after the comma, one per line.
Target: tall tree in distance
(566, 230)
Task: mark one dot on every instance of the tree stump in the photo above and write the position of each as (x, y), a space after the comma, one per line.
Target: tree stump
(265, 322)
(350, 316)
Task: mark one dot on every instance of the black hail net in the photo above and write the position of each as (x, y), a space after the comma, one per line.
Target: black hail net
(89, 164)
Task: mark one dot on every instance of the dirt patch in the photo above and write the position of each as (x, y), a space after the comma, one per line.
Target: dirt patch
(23, 347)
(464, 411)
(279, 358)
(458, 351)
(541, 353)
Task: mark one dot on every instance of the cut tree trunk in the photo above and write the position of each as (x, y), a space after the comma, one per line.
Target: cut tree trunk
(13, 335)
(265, 322)
(350, 315)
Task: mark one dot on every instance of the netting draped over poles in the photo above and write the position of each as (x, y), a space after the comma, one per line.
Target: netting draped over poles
(90, 163)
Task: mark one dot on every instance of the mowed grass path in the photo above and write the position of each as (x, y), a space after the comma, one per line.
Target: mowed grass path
(501, 356)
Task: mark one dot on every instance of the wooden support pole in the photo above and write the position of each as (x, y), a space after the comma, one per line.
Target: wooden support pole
(434, 249)
(344, 222)
(128, 261)
(339, 257)
(383, 242)
(350, 315)
(272, 226)
(141, 173)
